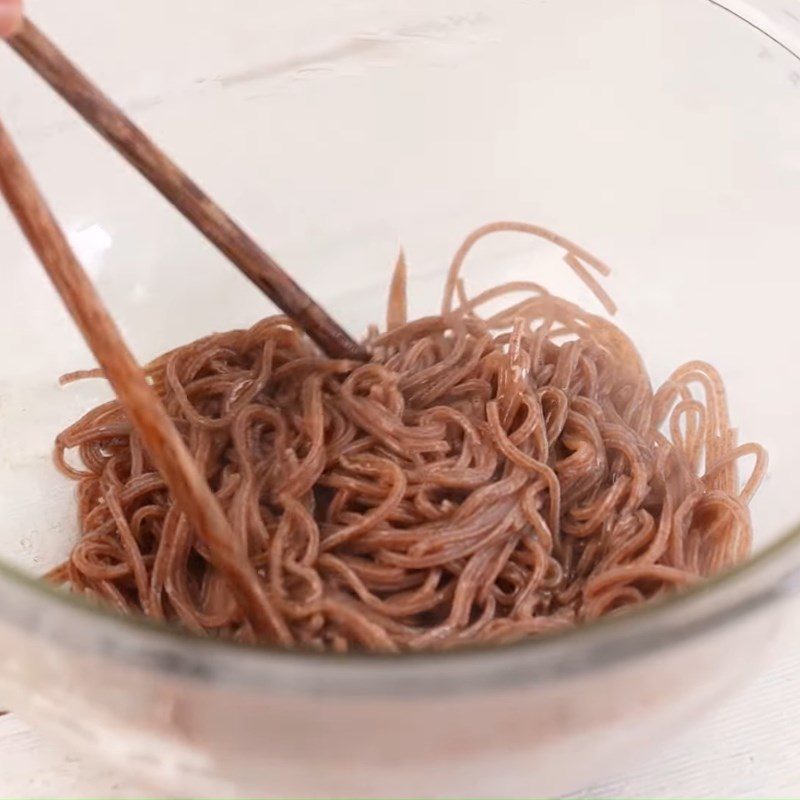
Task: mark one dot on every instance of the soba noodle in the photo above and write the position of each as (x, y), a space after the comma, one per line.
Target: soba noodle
(487, 476)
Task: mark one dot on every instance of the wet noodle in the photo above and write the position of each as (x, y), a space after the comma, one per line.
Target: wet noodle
(488, 475)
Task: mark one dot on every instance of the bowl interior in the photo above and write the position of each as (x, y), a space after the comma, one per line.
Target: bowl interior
(663, 136)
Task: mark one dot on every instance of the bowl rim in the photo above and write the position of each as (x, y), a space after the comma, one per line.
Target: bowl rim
(78, 624)
(74, 623)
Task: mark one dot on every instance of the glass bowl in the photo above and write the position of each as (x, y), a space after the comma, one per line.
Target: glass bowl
(660, 134)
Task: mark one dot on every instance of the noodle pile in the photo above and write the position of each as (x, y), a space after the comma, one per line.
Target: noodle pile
(485, 477)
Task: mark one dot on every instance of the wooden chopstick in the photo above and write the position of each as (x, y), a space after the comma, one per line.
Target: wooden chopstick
(112, 123)
(144, 409)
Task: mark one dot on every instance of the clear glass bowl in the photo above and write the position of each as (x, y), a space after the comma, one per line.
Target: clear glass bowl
(661, 134)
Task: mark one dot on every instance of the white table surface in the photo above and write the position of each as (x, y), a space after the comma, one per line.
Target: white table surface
(748, 748)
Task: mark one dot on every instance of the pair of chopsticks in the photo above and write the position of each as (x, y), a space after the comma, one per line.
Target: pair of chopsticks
(145, 410)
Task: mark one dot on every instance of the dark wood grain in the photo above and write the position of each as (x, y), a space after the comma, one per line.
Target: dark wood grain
(112, 123)
(150, 419)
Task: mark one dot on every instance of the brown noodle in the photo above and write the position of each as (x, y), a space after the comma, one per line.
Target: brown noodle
(483, 478)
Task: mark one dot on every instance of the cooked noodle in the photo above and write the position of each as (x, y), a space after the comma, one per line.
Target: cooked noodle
(485, 477)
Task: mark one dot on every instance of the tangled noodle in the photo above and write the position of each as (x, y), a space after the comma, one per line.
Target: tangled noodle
(483, 478)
